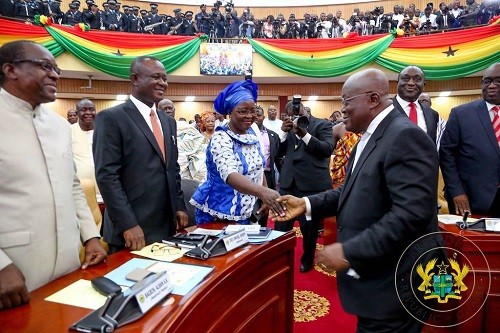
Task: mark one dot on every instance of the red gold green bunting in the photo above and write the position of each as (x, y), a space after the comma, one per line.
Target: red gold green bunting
(300, 56)
(442, 56)
(447, 55)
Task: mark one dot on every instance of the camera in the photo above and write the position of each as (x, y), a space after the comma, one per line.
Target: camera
(229, 6)
(218, 4)
(301, 121)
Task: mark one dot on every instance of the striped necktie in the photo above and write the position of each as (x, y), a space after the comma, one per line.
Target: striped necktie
(496, 122)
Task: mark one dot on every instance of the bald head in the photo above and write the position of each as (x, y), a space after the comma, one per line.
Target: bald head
(364, 95)
(368, 80)
(489, 84)
(167, 106)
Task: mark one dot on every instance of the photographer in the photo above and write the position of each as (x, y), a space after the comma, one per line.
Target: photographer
(337, 28)
(293, 28)
(308, 26)
(246, 28)
(444, 19)
(409, 25)
(306, 144)
(323, 27)
(428, 21)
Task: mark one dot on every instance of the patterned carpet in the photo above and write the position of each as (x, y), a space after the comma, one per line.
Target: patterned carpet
(317, 307)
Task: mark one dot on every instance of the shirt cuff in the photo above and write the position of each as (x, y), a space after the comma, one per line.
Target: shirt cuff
(283, 136)
(308, 208)
(306, 138)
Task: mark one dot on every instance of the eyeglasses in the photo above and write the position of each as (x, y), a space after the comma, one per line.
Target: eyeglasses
(244, 112)
(45, 64)
(159, 250)
(487, 81)
(159, 77)
(407, 78)
(344, 101)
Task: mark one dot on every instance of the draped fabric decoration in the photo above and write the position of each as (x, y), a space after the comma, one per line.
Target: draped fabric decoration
(443, 56)
(112, 53)
(322, 57)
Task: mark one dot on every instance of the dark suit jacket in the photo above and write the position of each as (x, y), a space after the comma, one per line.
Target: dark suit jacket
(431, 118)
(386, 203)
(137, 186)
(470, 156)
(274, 145)
(307, 165)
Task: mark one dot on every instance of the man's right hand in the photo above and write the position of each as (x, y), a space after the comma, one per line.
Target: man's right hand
(13, 291)
(461, 203)
(134, 238)
(287, 124)
(293, 207)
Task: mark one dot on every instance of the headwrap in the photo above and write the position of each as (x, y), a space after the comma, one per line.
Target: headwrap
(234, 94)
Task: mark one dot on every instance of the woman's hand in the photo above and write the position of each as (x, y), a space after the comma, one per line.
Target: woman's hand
(268, 198)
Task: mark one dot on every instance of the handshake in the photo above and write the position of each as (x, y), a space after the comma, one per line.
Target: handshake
(292, 207)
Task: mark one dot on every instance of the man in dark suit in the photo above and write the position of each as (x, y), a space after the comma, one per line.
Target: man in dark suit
(387, 201)
(269, 145)
(306, 152)
(470, 152)
(411, 81)
(135, 156)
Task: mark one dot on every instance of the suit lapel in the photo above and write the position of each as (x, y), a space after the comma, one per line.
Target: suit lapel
(136, 116)
(370, 146)
(484, 117)
(430, 121)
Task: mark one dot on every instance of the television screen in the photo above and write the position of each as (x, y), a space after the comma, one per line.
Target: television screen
(225, 59)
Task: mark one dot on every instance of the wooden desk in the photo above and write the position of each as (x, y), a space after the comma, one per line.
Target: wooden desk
(487, 318)
(249, 293)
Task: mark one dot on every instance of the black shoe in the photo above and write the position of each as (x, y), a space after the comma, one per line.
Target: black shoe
(305, 268)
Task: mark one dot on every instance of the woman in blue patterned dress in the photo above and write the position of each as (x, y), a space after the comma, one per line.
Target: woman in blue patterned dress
(235, 164)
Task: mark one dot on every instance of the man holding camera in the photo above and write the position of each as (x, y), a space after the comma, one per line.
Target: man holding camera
(306, 144)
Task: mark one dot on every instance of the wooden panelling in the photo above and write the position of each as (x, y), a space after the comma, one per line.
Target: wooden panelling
(184, 89)
(320, 109)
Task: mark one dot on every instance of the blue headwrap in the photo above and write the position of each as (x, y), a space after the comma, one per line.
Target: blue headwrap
(234, 94)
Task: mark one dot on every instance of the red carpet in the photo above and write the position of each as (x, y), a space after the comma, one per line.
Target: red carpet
(317, 306)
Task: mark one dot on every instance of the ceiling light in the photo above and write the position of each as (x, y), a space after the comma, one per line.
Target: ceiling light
(121, 97)
(189, 99)
(444, 93)
(312, 98)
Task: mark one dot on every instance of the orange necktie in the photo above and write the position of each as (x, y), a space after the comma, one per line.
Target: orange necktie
(496, 122)
(413, 113)
(157, 132)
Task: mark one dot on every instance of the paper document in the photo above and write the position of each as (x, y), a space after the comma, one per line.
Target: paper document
(184, 277)
(202, 231)
(492, 225)
(160, 251)
(79, 293)
(453, 219)
(273, 235)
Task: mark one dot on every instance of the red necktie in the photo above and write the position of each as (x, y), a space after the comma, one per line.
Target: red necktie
(413, 113)
(157, 132)
(496, 122)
